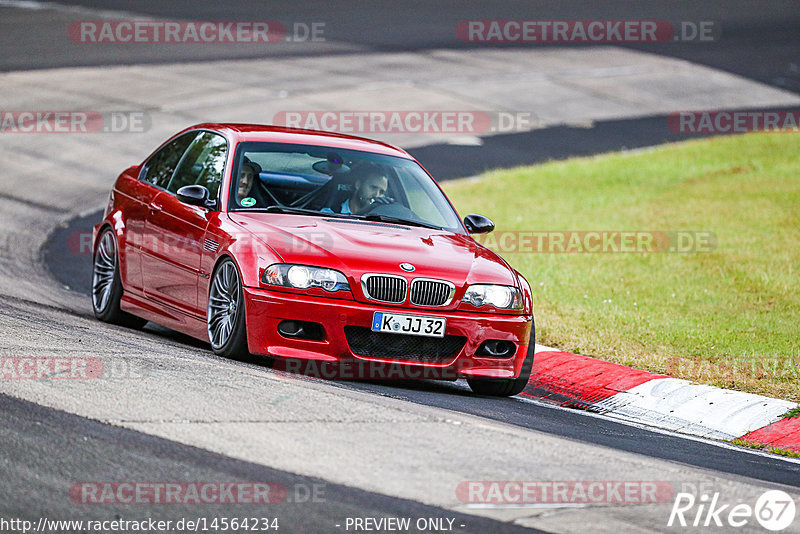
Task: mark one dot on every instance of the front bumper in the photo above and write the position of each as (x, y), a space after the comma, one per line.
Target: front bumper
(265, 309)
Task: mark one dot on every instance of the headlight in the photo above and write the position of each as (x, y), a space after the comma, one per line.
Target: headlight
(505, 297)
(304, 277)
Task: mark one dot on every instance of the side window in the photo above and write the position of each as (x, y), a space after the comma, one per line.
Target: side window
(202, 164)
(161, 166)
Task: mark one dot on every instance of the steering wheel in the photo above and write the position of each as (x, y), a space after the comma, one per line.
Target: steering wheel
(393, 209)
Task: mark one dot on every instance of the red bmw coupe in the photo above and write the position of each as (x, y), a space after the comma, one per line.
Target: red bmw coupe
(313, 247)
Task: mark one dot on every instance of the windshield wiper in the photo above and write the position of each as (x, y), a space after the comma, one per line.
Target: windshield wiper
(294, 211)
(399, 220)
(285, 209)
(377, 218)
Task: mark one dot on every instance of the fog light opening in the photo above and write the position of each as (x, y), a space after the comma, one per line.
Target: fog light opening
(301, 330)
(496, 348)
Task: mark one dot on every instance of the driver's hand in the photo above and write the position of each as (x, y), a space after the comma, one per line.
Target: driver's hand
(381, 200)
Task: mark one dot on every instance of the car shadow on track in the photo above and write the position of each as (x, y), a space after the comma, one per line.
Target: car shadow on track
(398, 388)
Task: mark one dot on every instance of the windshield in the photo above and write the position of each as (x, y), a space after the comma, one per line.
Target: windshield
(318, 180)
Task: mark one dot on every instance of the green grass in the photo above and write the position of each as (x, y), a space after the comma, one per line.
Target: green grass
(784, 452)
(794, 412)
(761, 446)
(749, 444)
(729, 317)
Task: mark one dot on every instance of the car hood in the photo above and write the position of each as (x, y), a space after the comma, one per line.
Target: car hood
(356, 247)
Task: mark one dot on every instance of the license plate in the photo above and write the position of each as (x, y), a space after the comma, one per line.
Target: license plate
(415, 325)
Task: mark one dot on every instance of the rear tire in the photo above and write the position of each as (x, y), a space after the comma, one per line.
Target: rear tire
(507, 387)
(107, 284)
(225, 316)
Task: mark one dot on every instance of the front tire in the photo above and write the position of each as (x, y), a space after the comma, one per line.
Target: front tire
(511, 386)
(107, 284)
(225, 316)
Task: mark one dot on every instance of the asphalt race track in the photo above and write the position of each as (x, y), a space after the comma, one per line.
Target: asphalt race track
(143, 457)
(759, 40)
(175, 412)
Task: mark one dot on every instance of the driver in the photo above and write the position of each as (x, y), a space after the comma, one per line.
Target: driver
(368, 190)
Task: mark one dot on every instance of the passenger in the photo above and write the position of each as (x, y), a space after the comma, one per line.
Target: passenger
(247, 177)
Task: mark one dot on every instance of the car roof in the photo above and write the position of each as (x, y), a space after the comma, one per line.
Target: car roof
(277, 134)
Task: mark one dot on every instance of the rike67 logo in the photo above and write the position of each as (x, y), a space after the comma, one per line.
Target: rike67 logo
(774, 510)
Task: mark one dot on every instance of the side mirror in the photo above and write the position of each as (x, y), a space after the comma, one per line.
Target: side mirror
(195, 195)
(478, 224)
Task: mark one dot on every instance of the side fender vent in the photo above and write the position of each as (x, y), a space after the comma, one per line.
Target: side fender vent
(211, 245)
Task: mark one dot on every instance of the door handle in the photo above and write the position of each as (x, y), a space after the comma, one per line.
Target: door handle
(155, 207)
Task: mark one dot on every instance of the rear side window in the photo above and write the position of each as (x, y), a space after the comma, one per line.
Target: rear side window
(202, 164)
(161, 166)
